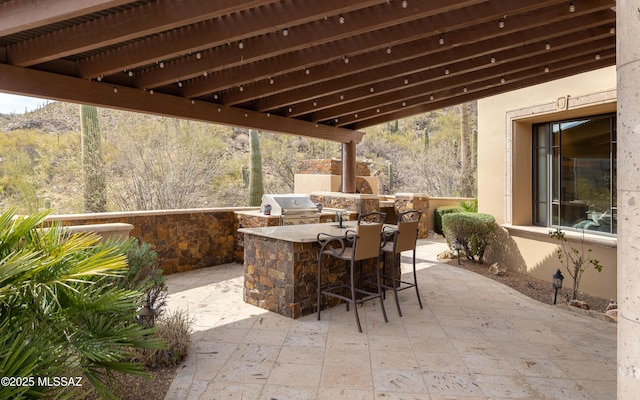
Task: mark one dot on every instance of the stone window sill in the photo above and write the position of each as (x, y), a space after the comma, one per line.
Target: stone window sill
(539, 232)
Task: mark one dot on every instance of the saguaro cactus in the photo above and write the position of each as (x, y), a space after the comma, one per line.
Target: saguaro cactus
(256, 187)
(95, 197)
(390, 173)
(426, 139)
(245, 176)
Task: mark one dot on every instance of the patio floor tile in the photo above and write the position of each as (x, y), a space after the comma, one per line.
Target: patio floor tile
(475, 339)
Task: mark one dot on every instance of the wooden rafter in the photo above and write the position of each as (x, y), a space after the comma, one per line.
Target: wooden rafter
(319, 69)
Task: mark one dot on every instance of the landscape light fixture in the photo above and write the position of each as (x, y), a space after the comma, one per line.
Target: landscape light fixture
(147, 316)
(556, 282)
(458, 247)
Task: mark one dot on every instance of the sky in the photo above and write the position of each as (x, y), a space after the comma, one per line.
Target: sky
(10, 103)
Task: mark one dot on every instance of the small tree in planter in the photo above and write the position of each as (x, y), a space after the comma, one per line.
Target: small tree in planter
(574, 259)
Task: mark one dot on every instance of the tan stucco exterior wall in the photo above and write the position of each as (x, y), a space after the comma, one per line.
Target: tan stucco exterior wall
(505, 172)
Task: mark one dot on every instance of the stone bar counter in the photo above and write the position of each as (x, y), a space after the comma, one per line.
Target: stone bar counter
(281, 263)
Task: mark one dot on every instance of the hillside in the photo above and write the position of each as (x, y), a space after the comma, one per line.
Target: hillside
(152, 162)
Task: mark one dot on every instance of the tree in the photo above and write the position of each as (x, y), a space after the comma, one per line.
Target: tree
(95, 193)
(162, 163)
(467, 172)
(575, 259)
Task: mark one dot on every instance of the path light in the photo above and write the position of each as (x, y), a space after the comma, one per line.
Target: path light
(557, 284)
(457, 246)
(147, 316)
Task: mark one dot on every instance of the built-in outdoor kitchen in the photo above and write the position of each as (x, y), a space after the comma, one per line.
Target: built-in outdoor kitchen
(279, 244)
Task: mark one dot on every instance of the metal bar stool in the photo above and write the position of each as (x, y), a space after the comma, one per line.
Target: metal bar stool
(362, 244)
(403, 238)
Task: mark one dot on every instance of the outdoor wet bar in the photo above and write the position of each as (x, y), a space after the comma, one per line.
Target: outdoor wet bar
(280, 266)
(280, 262)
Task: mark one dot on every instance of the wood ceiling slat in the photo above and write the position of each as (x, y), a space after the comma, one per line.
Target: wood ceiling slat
(481, 53)
(429, 68)
(130, 24)
(468, 73)
(110, 39)
(22, 15)
(214, 32)
(259, 72)
(300, 37)
(316, 84)
(490, 89)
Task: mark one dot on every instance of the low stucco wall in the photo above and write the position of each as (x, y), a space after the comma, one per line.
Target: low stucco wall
(532, 251)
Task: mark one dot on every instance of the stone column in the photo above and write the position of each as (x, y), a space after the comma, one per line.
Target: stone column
(349, 167)
(628, 86)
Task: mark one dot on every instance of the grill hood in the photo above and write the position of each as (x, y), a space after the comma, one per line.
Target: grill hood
(282, 204)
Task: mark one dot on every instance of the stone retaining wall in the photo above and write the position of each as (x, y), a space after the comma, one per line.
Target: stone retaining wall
(196, 238)
(184, 239)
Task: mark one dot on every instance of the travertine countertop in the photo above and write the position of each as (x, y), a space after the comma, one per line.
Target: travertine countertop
(300, 233)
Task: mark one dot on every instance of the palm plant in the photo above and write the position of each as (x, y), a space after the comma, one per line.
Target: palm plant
(60, 313)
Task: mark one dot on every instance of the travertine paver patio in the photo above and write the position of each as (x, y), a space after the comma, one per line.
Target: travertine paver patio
(474, 339)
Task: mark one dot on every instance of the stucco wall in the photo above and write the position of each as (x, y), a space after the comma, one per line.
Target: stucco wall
(505, 171)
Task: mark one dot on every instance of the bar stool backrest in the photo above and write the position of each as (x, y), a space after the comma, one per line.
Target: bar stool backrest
(367, 243)
(407, 236)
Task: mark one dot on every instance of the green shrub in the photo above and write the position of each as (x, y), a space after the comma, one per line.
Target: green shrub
(174, 330)
(473, 230)
(145, 275)
(439, 212)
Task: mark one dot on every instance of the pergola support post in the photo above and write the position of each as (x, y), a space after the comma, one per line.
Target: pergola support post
(628, 72)
(349, 167)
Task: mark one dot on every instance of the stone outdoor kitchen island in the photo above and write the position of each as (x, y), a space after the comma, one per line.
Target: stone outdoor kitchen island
(281, 264)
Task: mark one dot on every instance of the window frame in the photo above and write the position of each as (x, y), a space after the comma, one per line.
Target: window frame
(552, 152)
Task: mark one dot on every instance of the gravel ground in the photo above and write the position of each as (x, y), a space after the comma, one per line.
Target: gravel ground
(537, 289)
(131, 387)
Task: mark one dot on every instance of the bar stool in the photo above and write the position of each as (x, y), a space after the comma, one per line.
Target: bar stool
(355, 246)
(403, 238)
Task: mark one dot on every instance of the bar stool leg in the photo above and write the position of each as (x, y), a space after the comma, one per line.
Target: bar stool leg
(394, 280)
(318, 294)
(415, 278)
(380, 292)
(353, 297)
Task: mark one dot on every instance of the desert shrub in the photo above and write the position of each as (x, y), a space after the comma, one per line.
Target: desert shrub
(145, 275)
(473, 230)
(174, 330)
(439, 212)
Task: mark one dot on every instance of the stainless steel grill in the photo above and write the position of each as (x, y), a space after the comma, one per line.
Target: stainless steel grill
(293, 209)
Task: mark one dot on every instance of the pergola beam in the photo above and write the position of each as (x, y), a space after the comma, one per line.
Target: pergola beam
(31, 82)
(473, 70)
(210, 33)
(340, 77)
(20, 15)
(487, 88)
(266, 46)
(368, 84)
(140, 21)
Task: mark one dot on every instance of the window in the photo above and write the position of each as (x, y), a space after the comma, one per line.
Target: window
(574, 174)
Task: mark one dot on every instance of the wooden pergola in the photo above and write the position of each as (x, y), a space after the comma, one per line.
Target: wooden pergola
(323, 69)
